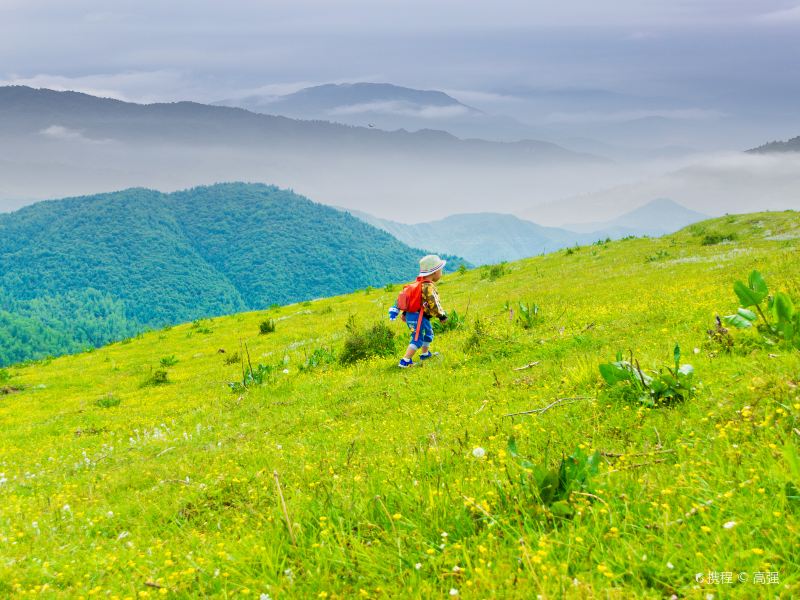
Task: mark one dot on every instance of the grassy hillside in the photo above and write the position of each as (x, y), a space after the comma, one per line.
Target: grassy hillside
(86, 271)
(123, 477)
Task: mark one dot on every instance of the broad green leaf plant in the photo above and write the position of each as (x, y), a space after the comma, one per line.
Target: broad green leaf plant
(780, 320)
(665, 386)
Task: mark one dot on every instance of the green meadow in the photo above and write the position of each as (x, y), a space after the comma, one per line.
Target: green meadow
(210, 460)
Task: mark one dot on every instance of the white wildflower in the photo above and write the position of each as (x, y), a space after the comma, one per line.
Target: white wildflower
(479, 452)
(729, 525)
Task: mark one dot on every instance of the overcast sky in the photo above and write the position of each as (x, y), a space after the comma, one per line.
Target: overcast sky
(718, 69)
(712, 54)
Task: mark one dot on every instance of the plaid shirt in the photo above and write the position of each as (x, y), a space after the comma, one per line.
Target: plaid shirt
(430, 301)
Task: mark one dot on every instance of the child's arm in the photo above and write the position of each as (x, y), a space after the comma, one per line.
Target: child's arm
(393, 312)
(433, 306)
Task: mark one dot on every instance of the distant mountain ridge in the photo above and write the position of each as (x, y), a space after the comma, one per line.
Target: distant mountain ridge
(85, 143)
(84, 271)
(792, 145)
(657, 217)
(390, 107)
(350, 98)
(486, 238)
(27, 111)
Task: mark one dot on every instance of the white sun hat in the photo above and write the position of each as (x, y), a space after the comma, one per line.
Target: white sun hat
(428, 265)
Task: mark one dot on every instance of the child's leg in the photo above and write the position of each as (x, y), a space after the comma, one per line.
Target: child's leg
(425, 349)
(411, 322)
(410, 352)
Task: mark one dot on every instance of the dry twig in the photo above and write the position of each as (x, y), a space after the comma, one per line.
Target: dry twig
(635, 466)
(651, 452)
(283, 506)
(528, 366)
(558, 402)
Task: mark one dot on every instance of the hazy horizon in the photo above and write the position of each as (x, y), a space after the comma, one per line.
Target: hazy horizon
(670, 93)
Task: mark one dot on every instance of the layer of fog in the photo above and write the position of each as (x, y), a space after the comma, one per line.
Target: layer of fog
(714, 185)
(398, 185)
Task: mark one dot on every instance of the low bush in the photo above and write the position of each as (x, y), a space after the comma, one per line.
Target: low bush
(169, 361)
(362, 343)
(493, 272)
(107, 401)
(320, 357)
(659, 388)
(158, 377)
(454, 321)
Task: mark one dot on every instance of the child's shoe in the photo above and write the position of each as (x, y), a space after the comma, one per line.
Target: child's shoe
(405, 363)
(428, 355)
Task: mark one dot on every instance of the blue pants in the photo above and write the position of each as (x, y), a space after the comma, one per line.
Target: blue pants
(425, 330)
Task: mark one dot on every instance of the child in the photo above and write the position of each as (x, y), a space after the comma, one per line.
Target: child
(430, 271)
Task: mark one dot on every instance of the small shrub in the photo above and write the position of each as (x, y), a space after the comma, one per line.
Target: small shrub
(493, 272)
(462, 268)
(454, 321)
(662, 387)
(720, 338)
(660, 255)
(529, 315)
(199, 327)
(712, 239)
(376, 340)
(554, 488)
(4, 375)
(368, 290)
(320, 357)
(792, 486)
(159, 377)
(389, 287)
(253, 376)
(232, 359)
(107, 401)
(267, 326)
(327, 310)
(570, 251)
(778, 321)
(169, 361)
(476, 337)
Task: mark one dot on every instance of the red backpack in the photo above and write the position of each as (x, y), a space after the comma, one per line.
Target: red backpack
(410, 299)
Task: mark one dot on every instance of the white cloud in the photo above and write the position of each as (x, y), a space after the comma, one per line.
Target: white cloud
(272, 91)
(789, 15)
(717, 184)
(406, 109)
(483, 98)
(683, 114)
(59, 132)
(638, 36)
(132, 86)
